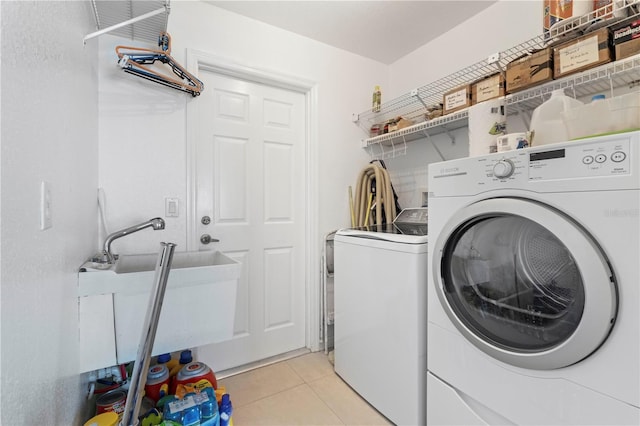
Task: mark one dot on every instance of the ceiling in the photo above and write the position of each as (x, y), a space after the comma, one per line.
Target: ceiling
(383, 30)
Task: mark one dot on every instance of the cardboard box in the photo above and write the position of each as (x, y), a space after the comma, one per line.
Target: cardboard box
(626, 40)
(488, 88)
(398, 123)
(456, 99)
(554, 11)
(603, 9)
(530, 70)
(582, 53)
(433, 111)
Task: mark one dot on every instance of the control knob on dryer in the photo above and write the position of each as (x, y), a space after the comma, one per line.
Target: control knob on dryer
(503, 169)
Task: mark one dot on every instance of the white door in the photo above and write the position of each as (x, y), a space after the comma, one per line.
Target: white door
(250, 183)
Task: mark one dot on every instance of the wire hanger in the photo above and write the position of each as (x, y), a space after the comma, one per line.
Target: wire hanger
(136, 61)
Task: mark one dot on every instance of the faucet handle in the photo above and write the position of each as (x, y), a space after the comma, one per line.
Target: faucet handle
(206, 239)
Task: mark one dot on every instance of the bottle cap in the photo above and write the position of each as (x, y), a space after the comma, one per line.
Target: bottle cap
(109, 418)
(157, 373)
(164, 358)
(193, 369)
(185, 357)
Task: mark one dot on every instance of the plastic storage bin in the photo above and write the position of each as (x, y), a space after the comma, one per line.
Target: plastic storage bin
(625, 112)
(591, 119)
(618, 114)
(548, 122)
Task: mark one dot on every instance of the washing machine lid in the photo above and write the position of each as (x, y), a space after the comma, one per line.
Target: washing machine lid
(409, 227)
(524, 283)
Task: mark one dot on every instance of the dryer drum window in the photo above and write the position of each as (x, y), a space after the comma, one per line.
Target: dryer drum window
(513, 283)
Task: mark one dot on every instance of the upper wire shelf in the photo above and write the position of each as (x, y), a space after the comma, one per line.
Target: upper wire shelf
(413, 105)
(133, 19)
(602, 79)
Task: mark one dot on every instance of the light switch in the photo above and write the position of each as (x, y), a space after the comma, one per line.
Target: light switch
(171, 206)
(45, 206)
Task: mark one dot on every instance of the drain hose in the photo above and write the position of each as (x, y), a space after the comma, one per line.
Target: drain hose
(382, 197)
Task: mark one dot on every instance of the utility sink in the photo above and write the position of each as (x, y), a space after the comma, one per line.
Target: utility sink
(194, 259)
(131, 273)
(198, 307)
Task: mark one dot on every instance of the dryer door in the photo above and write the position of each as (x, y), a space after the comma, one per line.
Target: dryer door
(524, 283)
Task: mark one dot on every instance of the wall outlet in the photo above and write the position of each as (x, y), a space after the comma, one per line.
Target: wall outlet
(45, 206)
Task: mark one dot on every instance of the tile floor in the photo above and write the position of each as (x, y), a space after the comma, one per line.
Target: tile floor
(300, 391)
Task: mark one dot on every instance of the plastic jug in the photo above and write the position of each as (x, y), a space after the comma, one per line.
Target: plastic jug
(594, 118)
(547, 120)
(185, 358)
(197, 374)
(157, 384)
(167, 360)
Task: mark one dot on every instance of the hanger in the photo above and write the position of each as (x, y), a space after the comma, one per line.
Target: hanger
(136, 61)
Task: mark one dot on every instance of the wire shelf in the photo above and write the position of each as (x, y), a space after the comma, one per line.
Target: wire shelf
(413, 106)
(604, 78)
(393, 144)
(133, 19)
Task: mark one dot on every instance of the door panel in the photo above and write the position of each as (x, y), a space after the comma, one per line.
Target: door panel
(278, 182)
(230, 179)
(250, 177)
(278, 288)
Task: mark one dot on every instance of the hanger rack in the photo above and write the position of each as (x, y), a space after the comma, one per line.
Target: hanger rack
(137, 61)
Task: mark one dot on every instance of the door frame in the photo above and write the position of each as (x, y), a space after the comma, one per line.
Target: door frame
(199, 60)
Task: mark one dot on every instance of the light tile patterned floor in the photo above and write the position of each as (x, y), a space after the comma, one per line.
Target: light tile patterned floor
(300, 391)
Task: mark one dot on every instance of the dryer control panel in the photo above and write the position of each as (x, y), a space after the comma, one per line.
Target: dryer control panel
(583, 159)
(602, 163)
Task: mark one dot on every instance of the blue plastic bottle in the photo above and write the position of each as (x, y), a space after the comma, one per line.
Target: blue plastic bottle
(194, 409)
(226, 409)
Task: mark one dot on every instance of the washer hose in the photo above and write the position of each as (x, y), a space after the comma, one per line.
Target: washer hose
(374, 186)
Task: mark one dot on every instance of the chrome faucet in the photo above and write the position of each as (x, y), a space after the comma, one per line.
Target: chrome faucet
(108, 257)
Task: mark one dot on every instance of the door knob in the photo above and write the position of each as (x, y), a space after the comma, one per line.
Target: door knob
(205, 220)
(206, 239)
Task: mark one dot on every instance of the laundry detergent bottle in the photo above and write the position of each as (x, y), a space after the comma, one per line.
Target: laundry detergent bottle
(547, 121)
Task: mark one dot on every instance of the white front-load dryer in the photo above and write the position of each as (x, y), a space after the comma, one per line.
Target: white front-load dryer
(534, 295)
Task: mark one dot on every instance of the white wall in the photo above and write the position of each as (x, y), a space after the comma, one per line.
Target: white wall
(503, 25)
(142, 125)
(49, 133)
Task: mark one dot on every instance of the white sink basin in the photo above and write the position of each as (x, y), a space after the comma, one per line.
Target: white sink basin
(198, 306)
(135, 273)
(194, 259)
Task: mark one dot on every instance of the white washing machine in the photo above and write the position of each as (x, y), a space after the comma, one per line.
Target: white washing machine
(534, 291)
(380, 301)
